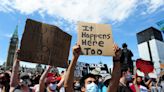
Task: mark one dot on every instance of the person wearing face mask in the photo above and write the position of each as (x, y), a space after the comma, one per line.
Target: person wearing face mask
(125, 76)
(16, 84)
(129, 78)
(138, 85)
(88, 82)
(48, 82)
(77, 86)
(51, 83)
(106, 83)
(25, 79)
(52, 87)
(98, 77)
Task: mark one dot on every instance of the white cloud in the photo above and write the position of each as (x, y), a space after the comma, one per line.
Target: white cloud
(4, 36)
(28, 6)
(5, 6)
(7, 35)
(81, 10)
(152, 5)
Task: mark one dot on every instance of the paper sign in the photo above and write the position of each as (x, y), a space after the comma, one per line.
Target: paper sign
(95, 39)
(44, 44)
(82, 69)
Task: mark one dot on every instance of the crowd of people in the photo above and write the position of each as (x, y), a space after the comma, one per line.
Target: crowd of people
(122, 78)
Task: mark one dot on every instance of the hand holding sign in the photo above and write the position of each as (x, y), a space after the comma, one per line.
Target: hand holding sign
(16, 55)
(118, 52)
(95, 39)
(76, 50)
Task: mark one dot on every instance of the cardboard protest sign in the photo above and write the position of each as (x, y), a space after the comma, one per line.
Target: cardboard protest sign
(162, 66)
(95, 39)
(45, 44)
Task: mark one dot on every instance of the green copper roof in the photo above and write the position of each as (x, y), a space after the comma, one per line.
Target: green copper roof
(15, 34)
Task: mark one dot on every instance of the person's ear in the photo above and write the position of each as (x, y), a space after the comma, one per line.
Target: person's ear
(82, 89)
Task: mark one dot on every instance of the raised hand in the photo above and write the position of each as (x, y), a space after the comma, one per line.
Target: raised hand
(16, 55)
(76, 50)
(118, 52)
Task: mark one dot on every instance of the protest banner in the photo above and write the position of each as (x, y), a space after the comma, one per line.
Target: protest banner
(95, 39)
(144, 66)
(82, 69)
(45, 44)
(102, 69)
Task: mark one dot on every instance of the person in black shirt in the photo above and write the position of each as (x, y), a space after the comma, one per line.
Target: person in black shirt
(126, 57)
(125, 74)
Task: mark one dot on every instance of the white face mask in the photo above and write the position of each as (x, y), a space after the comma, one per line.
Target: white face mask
(52, 86)
(129, 77)
(91, 87)
(77, 84)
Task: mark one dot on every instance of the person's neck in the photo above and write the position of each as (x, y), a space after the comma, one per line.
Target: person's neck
(123, 81)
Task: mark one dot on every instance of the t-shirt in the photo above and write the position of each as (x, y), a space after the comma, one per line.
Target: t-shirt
(62, 89)
(104, 89)
(126, 56)
(123, 88)
(141, 88)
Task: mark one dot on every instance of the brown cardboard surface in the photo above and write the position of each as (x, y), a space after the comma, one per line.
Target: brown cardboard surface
(95, 39)
(45, 44)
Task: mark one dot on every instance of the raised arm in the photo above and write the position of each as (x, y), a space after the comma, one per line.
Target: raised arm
(42, 78)
(68, 84)
(61, 81)
(116, 74)
(15, 74)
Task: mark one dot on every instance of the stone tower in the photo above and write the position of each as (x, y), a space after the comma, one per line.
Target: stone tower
(12, 48)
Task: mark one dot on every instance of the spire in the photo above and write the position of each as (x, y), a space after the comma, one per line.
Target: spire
(15, 34)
